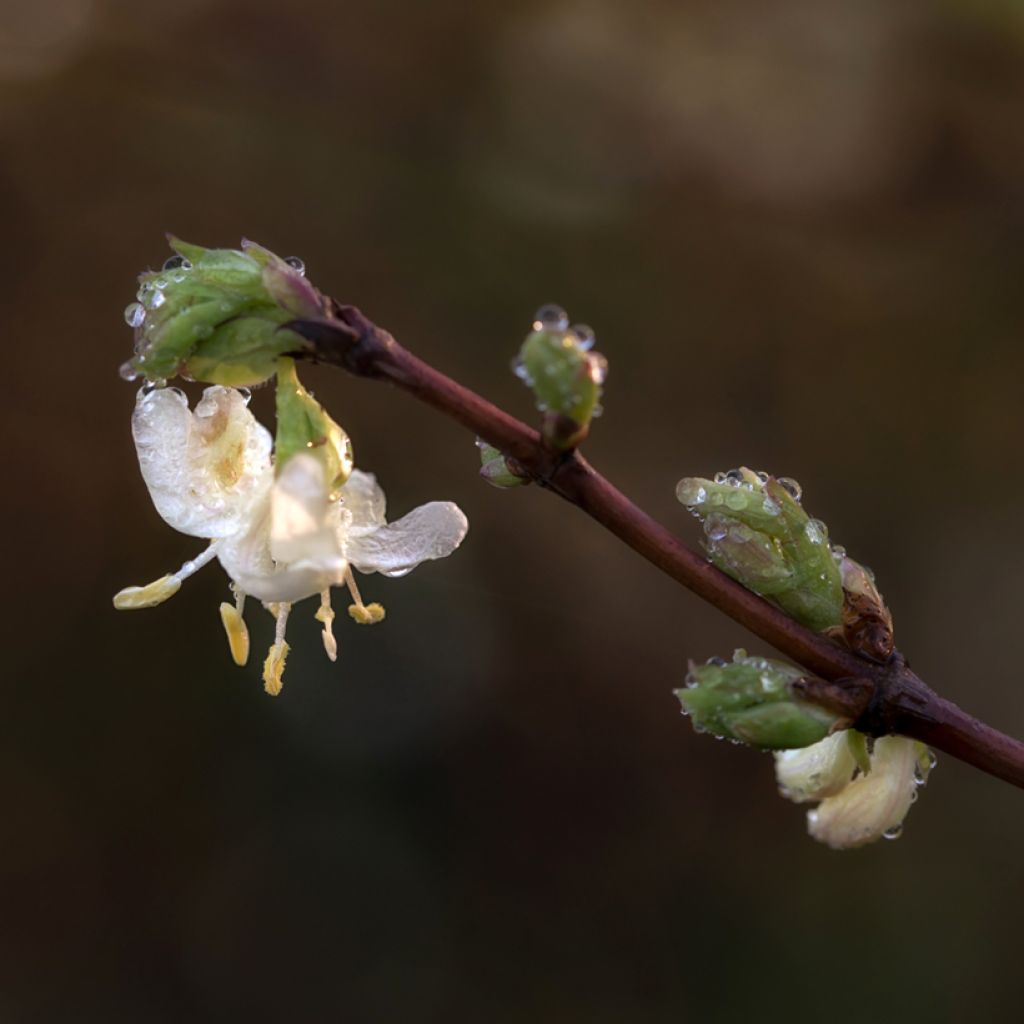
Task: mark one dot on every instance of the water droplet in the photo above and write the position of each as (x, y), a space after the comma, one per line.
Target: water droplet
(127, 371)
(815, 531)
(156, 300)
(771, 508)
(736, 500)
(598, 410)
(716, 529)
(598, 368)
(157, 384)
(787, 483)
(838, 552)
(134, 314)
(716, 661)
(893, 833)
(396, 573)
(932, 760)
(179, 276)
(734, 477)
(763, 476)
(296, 264)
(246, 394)
(550, 318)
(700, 497)
(584, 336)
(520, 370)
(719, 478)
(173, 262)
(161, 283)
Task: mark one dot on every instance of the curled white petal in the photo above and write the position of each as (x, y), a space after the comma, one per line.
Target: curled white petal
(203, 468)
(364, 499)
(433, 530)
(872, 804)
(817, 771)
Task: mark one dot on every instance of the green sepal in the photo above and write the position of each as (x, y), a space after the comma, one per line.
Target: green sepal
(303, 425)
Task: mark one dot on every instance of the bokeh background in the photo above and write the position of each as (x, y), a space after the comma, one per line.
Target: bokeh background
(797, 229)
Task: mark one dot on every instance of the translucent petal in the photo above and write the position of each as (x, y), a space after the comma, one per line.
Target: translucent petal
(817, 771)
(313, 545)
(364, 499)
(431, 531)
(203, 468)
(872, 804)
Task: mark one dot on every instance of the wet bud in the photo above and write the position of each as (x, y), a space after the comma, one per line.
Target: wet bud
(214, 315)
(750, 700)
(567, 378)
(494, 468)
(303, 425)
(758, 532)
(867, 622)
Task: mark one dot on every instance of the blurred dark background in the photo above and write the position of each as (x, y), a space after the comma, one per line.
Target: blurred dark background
(797, 229)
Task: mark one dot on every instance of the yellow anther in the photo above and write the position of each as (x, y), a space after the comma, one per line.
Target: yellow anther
(148, 596)
(325, 614)
(237, 632)
(273, 667)
(366, 614)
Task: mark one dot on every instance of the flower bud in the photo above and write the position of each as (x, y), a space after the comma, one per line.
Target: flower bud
(758, 532)
(750, 701)
(566, 377)
(303, 425)
(214, 315)
(494, 468)
(867, 622)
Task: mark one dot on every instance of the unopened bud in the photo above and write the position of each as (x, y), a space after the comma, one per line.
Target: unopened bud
(494, 468)
(750, 700)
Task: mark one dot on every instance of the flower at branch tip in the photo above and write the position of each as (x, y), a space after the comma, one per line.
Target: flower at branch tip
(495, 470)
(214, 315)
(864, 795)
(756, 531)
(567, 378)
(750, 700)
(284, 526)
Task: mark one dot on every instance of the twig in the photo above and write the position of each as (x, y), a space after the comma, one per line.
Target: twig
(878, 699)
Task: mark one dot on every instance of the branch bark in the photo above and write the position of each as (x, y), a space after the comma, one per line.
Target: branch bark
(878, 699)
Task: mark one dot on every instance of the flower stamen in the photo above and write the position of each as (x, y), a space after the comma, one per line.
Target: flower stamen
(160, 590)
(235, 628)
(273, 666)
(325, 614)
(364, 614)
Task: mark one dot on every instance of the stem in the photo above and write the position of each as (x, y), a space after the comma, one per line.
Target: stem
(878, 699)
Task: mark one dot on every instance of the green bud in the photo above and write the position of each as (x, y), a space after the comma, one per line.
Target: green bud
(215, 315)
(566, 377)
(494, 468)
(303, 425)
(750, 700)
(758, 532)
(867, 622)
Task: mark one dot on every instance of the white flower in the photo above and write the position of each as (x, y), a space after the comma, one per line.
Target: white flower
(857, 810)
(280, 538)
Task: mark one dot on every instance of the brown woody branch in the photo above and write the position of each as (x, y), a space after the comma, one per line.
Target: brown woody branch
(878, 699)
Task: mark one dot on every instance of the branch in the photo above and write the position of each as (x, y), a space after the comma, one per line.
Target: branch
(877, 699)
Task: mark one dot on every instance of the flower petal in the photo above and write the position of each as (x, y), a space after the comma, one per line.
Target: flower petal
(364, 499)
(817, 771)
(292, 547)
(873, 804)
(203, 468)
(431, 531)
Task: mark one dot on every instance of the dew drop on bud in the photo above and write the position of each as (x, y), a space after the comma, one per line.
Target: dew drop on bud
(127, 371)
(733, 478)
(719, 662)
(893, 833)
(156, 300)
(550, 318)
(296, 264)
(154, 385)
(584, 336)
(787, 483)
(173, 262)
(134, 314)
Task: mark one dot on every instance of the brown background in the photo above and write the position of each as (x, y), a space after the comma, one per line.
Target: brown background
(797, 229)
